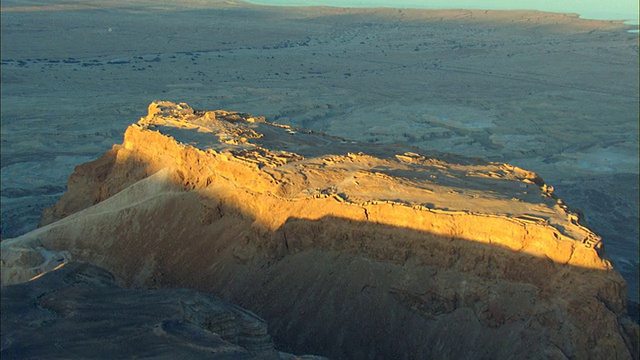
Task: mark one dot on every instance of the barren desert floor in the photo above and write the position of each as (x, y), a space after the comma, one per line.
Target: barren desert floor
(547, 92)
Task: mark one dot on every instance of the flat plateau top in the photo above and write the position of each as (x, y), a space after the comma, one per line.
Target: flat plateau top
(313, 164)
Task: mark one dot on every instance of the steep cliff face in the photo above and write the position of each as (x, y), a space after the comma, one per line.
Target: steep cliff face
(348, 250)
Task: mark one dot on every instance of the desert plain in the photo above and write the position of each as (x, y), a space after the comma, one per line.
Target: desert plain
(551, 93)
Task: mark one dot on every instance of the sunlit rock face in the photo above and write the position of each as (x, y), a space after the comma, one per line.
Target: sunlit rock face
(346, 249)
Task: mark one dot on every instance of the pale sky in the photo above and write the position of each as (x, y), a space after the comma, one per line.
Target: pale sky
(591, 9)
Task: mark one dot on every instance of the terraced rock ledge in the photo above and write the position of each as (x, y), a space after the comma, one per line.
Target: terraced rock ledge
(346, 249)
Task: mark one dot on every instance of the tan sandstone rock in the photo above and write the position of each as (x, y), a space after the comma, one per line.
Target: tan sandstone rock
(347, 250)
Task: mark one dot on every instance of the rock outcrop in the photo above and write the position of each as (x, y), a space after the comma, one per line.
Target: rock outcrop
(80, 312)
(346, 249)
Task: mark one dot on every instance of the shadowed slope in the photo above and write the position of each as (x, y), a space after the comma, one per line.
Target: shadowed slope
(90, 317)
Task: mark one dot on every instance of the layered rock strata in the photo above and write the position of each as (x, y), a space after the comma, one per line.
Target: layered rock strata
(347, 249)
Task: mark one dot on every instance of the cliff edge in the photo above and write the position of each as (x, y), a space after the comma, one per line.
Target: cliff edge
(346, 249)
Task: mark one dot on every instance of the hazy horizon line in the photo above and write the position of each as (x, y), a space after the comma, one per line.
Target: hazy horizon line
(616, 11)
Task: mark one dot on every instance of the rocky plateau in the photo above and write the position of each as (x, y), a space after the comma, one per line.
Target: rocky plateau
(346, 249)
